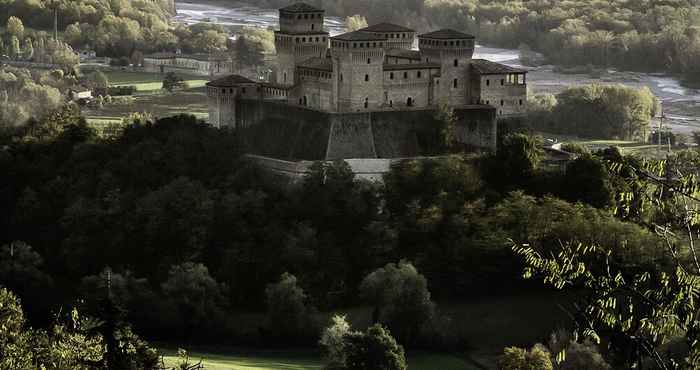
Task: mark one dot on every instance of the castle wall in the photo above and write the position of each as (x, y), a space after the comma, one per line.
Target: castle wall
(361, 86)
(277, 130)
(508, 98)
(400, 85)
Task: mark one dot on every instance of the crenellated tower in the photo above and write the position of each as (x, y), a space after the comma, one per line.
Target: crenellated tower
(453, 50)
(358, 59)
(301, 37)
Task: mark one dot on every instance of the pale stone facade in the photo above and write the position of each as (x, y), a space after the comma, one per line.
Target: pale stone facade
(375, 69)
(196, 64)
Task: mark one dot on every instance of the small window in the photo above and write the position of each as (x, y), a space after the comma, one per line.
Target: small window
(369, 61)
(405, 75)
(521, 101)
(488, 82)
(409, 102)
(313, 26)
(502, 102)
(391, 75)
(502, 82)
(456, 62)
(391, 103)
(454, 83)
(366, 77)
(243, 90)
(418, 74)
(366, 103)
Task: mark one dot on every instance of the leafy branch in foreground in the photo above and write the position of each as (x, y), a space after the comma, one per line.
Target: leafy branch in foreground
(643, 317)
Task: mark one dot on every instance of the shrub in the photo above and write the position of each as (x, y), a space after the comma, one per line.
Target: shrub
(374, 350)
(515, 358)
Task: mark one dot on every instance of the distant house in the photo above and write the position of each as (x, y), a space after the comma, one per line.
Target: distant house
(80, 93)
(198, 64)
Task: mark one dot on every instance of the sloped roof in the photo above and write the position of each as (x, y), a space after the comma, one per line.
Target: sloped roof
(403, 53)
(411, 66)
(446, 34)
(486, 67)
(359, 36)
(318, 63)
(301, 8)
(230, 81)
(386, 27)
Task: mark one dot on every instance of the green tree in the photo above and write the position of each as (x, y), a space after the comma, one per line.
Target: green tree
(333, 344)
(98, 80)
(248, 54)
(401, 299)
(196, 295)
(587, 180)
(15, 27)
(15, 50)
(172, 81)
(515, 162)
(288, 315)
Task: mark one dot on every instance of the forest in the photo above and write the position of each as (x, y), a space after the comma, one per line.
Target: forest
(192, 237)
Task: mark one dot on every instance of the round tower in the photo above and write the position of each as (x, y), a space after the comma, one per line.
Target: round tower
(453, 50)
(358, 60)
(301, 36)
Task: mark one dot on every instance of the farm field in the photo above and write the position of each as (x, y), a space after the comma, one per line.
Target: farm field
(148, 81)
(306, 361)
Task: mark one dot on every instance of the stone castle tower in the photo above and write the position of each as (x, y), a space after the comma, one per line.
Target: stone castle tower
(301, 36)
(359, 76)
(453, 51)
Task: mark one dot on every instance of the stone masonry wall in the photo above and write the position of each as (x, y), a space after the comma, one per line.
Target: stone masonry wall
(277, 130)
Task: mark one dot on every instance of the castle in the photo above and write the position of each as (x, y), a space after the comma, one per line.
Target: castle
(371, 77)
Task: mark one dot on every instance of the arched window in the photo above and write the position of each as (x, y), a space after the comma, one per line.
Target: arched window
(366, 77)
(409, 102)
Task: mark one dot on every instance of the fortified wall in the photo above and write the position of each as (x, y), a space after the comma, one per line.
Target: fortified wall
(293, 133)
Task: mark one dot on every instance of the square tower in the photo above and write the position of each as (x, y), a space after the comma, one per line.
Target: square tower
(301, 37)
(453, 50)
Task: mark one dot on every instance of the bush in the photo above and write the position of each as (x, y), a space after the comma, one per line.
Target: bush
(515, 358)
(576, 355)
(374, 350)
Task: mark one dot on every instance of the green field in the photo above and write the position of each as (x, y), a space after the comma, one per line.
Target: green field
(306, 361)
(148, 81)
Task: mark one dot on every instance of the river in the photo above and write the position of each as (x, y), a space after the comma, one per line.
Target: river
(681, 105)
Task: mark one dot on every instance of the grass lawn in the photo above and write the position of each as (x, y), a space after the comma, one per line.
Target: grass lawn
(148, 81)
(306, 361)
